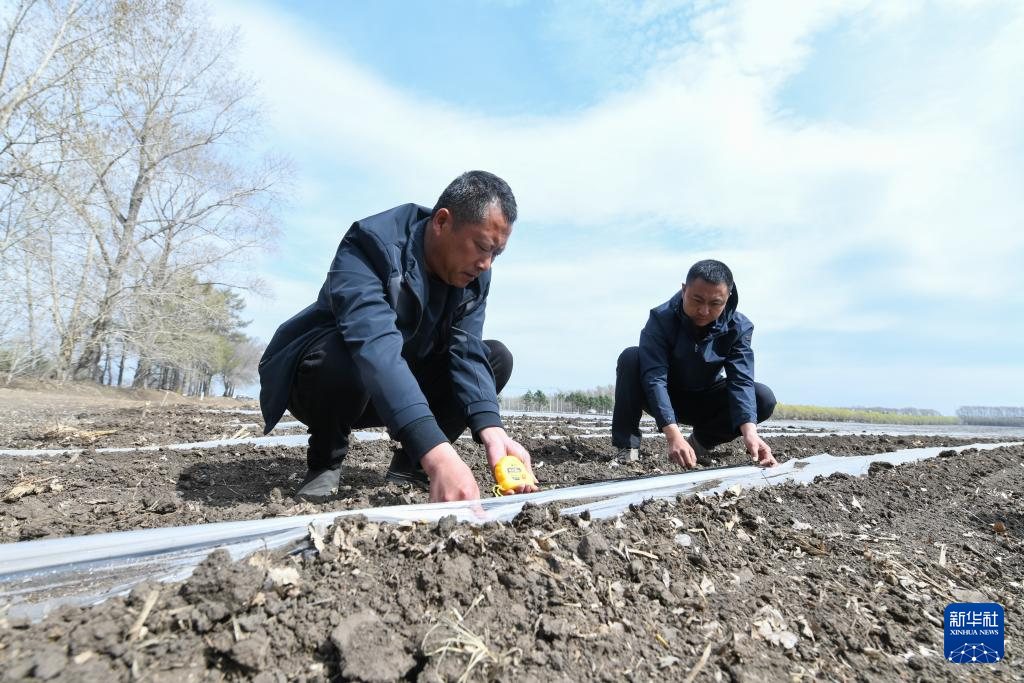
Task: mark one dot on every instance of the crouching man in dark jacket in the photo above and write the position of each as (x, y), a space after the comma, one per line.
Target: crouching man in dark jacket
(395, 339)
(694, 366)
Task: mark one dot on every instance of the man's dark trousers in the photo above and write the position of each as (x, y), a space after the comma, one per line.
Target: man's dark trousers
(706, 410)
(329, 397)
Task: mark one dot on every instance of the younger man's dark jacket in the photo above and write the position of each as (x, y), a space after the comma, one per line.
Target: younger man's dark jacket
(374, 296)
(673, 359)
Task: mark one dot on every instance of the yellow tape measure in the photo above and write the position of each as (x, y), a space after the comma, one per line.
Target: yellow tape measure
(510, 472)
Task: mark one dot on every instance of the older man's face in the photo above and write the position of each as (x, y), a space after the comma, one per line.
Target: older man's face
(459, 254)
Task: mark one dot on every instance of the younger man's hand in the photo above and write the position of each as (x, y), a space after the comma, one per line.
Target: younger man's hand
(760, 452)
(679, 449)
(450, 477)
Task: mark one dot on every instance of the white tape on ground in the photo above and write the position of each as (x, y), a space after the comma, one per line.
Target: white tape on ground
(35, 576)
(290, 440)
(658, 435)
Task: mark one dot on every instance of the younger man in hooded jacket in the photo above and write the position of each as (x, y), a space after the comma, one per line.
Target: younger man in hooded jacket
(694, 366)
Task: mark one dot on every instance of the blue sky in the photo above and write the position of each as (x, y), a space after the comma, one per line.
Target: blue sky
(859, 165)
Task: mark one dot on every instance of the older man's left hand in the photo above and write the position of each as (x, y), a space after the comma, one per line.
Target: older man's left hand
(498, 445)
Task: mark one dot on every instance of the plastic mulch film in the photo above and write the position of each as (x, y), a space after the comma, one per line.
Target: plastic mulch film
(288, 440)
(36, 576)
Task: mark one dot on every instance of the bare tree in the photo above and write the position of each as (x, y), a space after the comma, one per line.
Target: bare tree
(125, 191)
(44, 45)
(47, 46)
(236, 362)
(176, 103)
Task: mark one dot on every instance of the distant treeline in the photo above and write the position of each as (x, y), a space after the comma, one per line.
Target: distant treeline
(872, 415)
(1008, 416)
(597, 400)
(928, 412)
(601, 400)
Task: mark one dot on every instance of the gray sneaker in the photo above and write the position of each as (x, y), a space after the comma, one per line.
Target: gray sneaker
(703, 454)
(320, 485)
(627, 455)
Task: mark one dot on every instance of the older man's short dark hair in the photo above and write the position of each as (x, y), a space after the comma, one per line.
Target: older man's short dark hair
(711, 271)
(469, 196)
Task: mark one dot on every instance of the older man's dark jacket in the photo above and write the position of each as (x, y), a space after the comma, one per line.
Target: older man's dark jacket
(674, 358)
(374, 296)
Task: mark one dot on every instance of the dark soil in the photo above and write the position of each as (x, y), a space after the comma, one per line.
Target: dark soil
(91, 492)
(45, 414)
(127, 427)
(843, 580)
(857, 595)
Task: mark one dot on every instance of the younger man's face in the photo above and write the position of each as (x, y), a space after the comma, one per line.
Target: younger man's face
(703, 302)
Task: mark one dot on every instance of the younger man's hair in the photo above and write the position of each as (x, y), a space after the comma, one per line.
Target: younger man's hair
(469, 195)
(711, 271)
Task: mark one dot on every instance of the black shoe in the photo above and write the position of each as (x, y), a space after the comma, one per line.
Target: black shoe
(320, 485)
(401, 471)
(704, 457)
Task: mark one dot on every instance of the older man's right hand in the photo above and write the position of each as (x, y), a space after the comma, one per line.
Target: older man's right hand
(450, 477)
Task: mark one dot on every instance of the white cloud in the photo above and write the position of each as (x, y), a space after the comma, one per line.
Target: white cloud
(700, 143)
(285, 298)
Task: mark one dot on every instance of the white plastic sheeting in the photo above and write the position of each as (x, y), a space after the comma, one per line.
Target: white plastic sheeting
(804, 427)
(289, 440)
(659, 435)
(37, 575)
